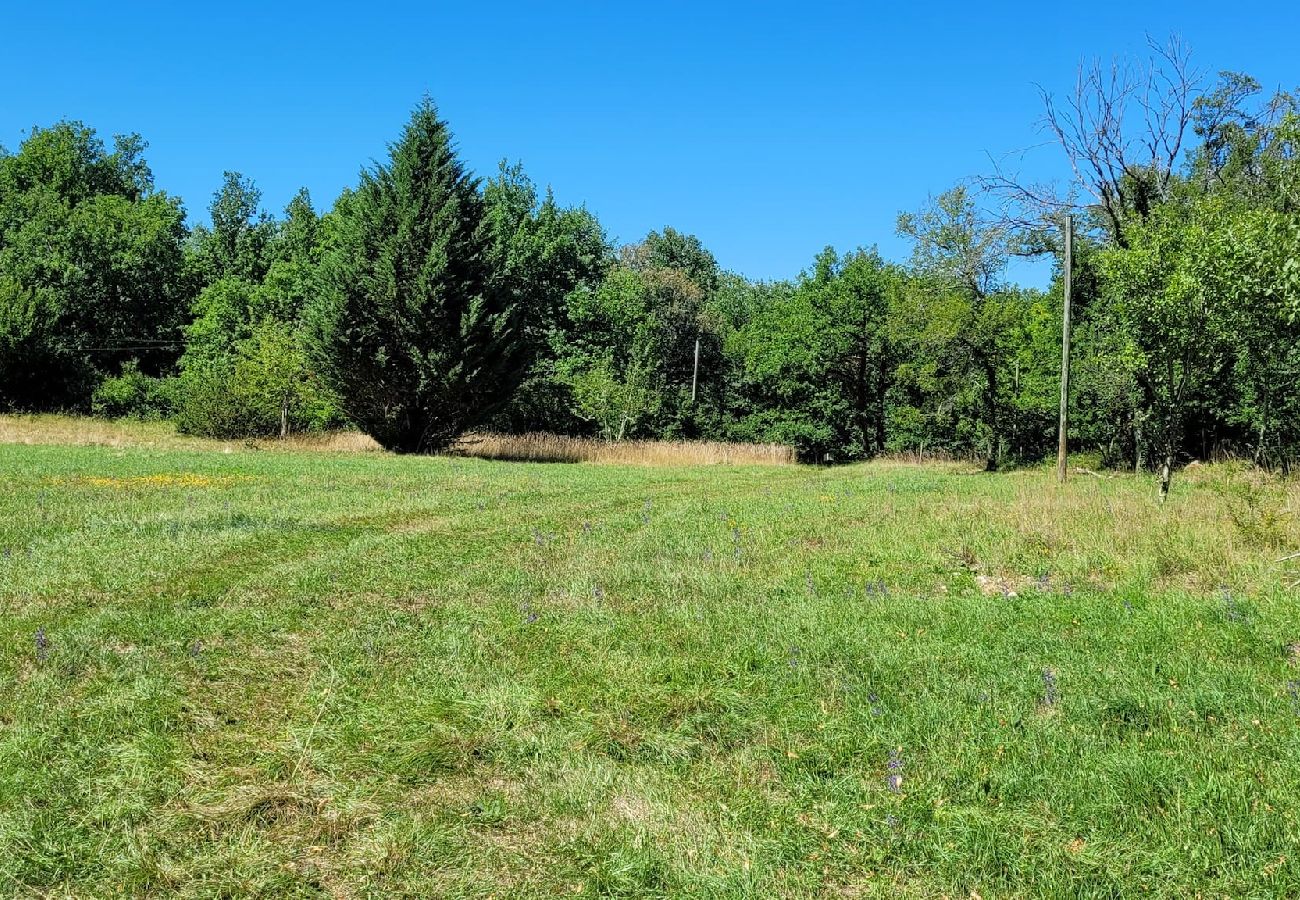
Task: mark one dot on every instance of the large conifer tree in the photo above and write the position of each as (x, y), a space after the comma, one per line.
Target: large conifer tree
(411, 329)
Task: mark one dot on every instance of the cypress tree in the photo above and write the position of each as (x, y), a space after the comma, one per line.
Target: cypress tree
(411, 329)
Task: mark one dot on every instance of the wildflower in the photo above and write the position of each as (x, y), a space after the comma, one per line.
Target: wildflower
(895, 779)
(1231, 610)
(794, 657)
(42, 645)
(874, 700)
(1049, 687)
(529, 614)
(1293, 690)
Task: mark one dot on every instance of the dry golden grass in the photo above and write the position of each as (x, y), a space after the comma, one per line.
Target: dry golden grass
(82, 431)
(542, 447)
(124, 433)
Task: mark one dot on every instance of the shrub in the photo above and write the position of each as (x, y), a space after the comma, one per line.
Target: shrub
(133, 394)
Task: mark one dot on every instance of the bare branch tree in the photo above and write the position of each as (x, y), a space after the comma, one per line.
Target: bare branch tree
(1122, 129)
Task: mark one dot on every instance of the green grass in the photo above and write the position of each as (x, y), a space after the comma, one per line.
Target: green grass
(309, 674)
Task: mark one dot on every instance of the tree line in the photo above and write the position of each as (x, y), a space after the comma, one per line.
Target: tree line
(427, 301)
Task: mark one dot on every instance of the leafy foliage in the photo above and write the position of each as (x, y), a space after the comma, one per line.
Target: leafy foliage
(92, 263)
(426, 302)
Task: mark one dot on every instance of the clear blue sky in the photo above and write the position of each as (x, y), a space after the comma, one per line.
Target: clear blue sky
(769, 130)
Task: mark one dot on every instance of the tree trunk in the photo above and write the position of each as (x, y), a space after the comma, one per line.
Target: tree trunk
(991, 414)
(1137, 444)
(882, 387)
(284, 417)
(861, 398)
(1166, 474)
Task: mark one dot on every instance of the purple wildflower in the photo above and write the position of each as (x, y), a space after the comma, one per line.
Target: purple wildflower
(895, 764)
(1049, 686)
(1231, 610)
(874, 700)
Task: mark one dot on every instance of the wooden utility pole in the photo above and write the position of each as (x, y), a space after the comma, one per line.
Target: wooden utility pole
(695, 373)
(1067, 283)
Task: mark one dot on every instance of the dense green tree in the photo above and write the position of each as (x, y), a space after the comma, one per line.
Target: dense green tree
(961, 256)
(540, 254)
(817, 363)
(411, 329)
(230, 384)
(92, 255)
(238, 243)
(1206, 290)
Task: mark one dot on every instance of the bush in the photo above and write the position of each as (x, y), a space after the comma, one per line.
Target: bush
(264, 388)
(133, 394)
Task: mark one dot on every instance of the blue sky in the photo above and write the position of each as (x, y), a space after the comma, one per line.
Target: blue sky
(770, 130)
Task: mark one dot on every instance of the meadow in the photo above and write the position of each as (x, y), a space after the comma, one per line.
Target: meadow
(226, 672)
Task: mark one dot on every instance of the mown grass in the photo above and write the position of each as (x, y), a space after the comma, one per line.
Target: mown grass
(312, 674)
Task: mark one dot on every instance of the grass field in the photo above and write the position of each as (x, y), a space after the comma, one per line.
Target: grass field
(352, 674)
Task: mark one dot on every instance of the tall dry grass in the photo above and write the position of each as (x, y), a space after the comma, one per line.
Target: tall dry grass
(52, 428)
(541, 447)
(83, 430)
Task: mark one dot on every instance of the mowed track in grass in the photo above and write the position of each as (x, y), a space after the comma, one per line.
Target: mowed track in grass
(310, 674)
